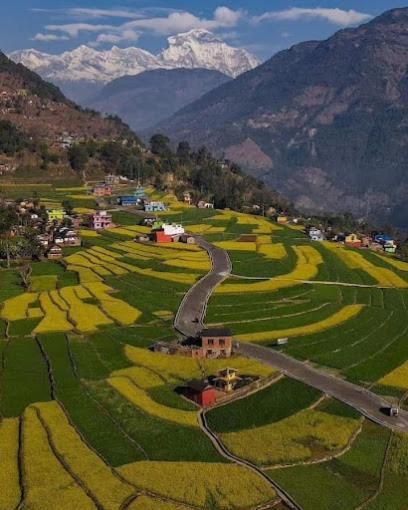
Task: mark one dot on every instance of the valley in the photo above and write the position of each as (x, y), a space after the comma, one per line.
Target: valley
(104, 411)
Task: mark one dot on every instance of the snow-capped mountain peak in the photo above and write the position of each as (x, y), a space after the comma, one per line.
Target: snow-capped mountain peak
(197, 48)
(201, 48)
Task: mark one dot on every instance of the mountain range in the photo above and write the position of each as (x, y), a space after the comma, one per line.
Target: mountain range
(324, 122)
(142, 101)
(82, 72)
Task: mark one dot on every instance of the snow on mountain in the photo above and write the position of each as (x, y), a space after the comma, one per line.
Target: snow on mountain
(194, 49)
(87, 64)
(201, 48)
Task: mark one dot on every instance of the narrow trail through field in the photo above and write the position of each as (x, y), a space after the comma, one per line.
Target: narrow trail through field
(310, 282)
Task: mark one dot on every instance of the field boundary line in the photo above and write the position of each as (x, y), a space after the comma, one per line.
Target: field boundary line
(223, 450)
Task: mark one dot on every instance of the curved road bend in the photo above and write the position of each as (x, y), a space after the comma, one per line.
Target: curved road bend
(194, 307)
(366, 402)
(190, 316)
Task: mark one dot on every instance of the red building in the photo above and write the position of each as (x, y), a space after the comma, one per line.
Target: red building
(160, 237)
(201, 392)
(102, 190)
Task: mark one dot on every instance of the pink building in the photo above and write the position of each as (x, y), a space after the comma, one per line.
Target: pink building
(101, 220)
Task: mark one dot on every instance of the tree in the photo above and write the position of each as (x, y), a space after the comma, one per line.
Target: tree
(159, 145)
(8, 248)
(184, 152)
(11, 139)
(25, 273)
(68, 207)
(78, 157)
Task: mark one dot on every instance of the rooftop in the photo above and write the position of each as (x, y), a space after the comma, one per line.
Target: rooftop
(215, 332)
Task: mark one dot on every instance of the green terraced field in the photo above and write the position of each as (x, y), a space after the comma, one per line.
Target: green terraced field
(120, 398)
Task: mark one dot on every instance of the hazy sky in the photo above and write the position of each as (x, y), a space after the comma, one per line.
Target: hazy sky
(261, 26)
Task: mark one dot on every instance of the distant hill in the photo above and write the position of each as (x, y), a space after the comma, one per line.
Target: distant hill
(40, 109)
(324, 122)
(150, 97)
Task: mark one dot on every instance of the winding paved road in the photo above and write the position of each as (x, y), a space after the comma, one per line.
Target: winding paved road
(189, 321)
(191, 313)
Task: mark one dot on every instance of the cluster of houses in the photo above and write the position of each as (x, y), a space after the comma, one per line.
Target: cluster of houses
(375, 241)
(213, 343)
(167, 232)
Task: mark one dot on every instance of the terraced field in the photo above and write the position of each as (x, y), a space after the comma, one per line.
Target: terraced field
(91, 418)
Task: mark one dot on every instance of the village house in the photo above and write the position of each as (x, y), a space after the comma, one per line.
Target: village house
(282, 219)
(66, 237)
(112, 179)
(154, 206)
(353, 241)
(167, 232)
(43, 239)
(316, 234)
(201, 392)
(187, 198)
(56, 215)
(54, 252)
(205, 205)
(101, 220)
(390, 246)
(139, 194)
(210, 343)
(127, 201)
(102, 190)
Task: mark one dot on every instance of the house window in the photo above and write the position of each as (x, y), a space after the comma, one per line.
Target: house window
(222, 342)
(209, 353)
(211, 341)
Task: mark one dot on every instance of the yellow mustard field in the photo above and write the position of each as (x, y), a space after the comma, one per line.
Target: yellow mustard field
(307, 268)
(150, 503)
(142, 400)
(54, 319)
(111, 491)
(176, 368)
(232, 486)
(86, 317)
(48, 484)
(343, 315)
(272, 251)
(9, 475)
(117, 309)
(293, 439)
(236, 246)
(15, 308)
(354, 260)
(398, 264)
(398, 378)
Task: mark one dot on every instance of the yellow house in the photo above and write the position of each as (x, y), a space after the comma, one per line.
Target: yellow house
(227, 379)
(282, 219)
(56, 214)
(352, 240)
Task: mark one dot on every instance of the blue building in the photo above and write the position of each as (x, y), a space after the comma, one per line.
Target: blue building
(127, 201)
